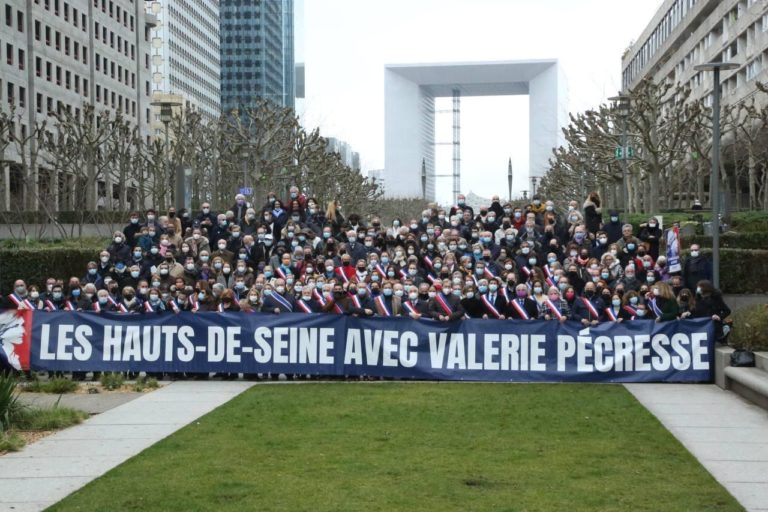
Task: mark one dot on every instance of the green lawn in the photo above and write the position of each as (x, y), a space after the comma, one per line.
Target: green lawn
(420, 447)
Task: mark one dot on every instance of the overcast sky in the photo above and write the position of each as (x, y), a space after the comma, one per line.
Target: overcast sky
(347, 43)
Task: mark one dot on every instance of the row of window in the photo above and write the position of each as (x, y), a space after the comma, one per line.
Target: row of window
(115, 71)
(53, 38)
(114, 10)
(109, 37)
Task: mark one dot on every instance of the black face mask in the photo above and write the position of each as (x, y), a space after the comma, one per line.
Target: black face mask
(128, 296)
(338, 295)
(589, 293)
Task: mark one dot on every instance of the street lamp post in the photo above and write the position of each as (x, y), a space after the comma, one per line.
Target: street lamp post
(509, 178)
(423, 178)
(166, 116)
(622, 105)
(533, 183)
(714, 184)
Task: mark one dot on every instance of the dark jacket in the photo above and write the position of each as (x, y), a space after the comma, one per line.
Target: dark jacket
(695, 270)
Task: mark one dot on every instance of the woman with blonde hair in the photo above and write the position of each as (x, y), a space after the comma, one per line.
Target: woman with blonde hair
(334, 217)
(662, 302)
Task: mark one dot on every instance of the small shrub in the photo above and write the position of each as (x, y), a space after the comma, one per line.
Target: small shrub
(57, 385)
(112, 380)
(10, 442)
(145, 382)
(54, 418)
(9, 400)
(750, 328)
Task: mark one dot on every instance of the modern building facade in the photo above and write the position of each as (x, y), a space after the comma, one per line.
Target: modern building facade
(58, 55)
(185, 56)
(257, 52)
(409, 115)
(348, 157)
(686, 33)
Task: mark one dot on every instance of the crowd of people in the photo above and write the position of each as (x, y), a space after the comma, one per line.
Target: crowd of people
(541, 261)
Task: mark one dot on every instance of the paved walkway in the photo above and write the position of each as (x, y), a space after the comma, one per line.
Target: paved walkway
(47, 471)
(726, 433)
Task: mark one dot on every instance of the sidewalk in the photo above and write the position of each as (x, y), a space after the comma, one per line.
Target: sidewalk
(727, 434)
(47, 471)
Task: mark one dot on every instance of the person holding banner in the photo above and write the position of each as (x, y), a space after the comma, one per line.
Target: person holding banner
(521, 306)
(19, 298)
(473, 306)
(613, 312)
(557, 308)
(710, 304)
(387, 304)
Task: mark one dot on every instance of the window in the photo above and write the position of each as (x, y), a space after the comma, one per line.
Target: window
(39, 103)
(9, 15)
(47, 35)
(9, 54)
(58, 75)
(38, 30)
(22, 97)
(10, 93)
(77, 84)
(20, 21)
(96, 30)
(85, 55)
(85, 87)
(74, 17)
(66, 11)
(57, 40)
(38, 66)
(754, 67)
(66, 45)
(98, 92)
(21, 59)
(49, 105)
(48, 71)
(68, 79)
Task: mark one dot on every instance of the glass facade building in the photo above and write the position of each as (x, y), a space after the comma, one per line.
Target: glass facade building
(256, 52)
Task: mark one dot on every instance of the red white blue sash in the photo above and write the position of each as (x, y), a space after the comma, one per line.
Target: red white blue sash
(19, 301)
(97, 307)
(428, 261)
(504, 293)
(174, 306)
(336, 307)
(220, 308)
(355, 300)
(148, 307)
(50, 306)
(591, 308)
(554, 309)
(629, 309)
(282, 300)
(410, 307)
(490, 307)
(381, 271)
(318, 296)
(488, 273)
(403, 273)
(655, 307)
(432, 279)
(342, 274)
(611, 315)
(304, 306)
(526, 270)
(279, 272)
(520, 310)
(193, 303)
(443, 304)
(383, 305)
(68, 306)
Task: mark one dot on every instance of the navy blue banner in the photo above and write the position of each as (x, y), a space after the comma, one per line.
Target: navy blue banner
(319, 344)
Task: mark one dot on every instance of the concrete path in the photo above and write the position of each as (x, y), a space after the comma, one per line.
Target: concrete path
(726, 433)
(47, 471)
(92, 404)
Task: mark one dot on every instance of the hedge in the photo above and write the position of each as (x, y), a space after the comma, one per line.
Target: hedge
(748, 240)
(743, 270)
(66, 217)
(36, 264)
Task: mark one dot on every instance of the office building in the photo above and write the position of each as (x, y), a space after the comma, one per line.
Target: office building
(58, 55)
(185, 56)
(257, 52)
(686, 33)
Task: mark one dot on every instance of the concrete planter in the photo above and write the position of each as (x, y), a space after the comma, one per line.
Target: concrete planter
(750, 383)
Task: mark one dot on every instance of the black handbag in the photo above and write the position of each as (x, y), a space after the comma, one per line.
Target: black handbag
(742, 358)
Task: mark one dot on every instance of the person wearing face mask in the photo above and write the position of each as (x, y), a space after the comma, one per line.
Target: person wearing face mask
(493, 299)
(251, 301)
(132, 229)
(119, 250)
(153, 303)
(613, 309)
(387, 304)
(662, 302)
(651, 234)
(628, 243)
(472, 304)
(446, 305)
(239, 208)
(222, 252)
(630, 280)
(279, 300)
(589, 309)
(92, 275)
(537, 207)
(696, 267)
(521, 306)
(557, 308)
(462, 207)
(612, 227)
(709, 303)
(355, 248)
(686, 303)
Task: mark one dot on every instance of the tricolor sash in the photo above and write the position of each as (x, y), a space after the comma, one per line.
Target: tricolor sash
(403, 273)
(282, 300)
(629, 309)
(428, 261)
(381, 271)
(19, 301)
(148, 307)
(504, 293)
(490, 307)
(174, 306)
(410, 307)
(355, 300)
(193, 302)
(611, 315)
(318, 296)
(526, 270)
(97, 307)
(383, 305)
(50, 306)
(655, 307)
(342, 274)
(591, 308)
(432, 279)
(520, 310)
(336, 307)
(221, 307)
(440, 299)
(280, 273)
(68, 306)
(554, 309)
(304, 306)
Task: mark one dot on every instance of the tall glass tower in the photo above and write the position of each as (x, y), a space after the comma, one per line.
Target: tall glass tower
(256, 52)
